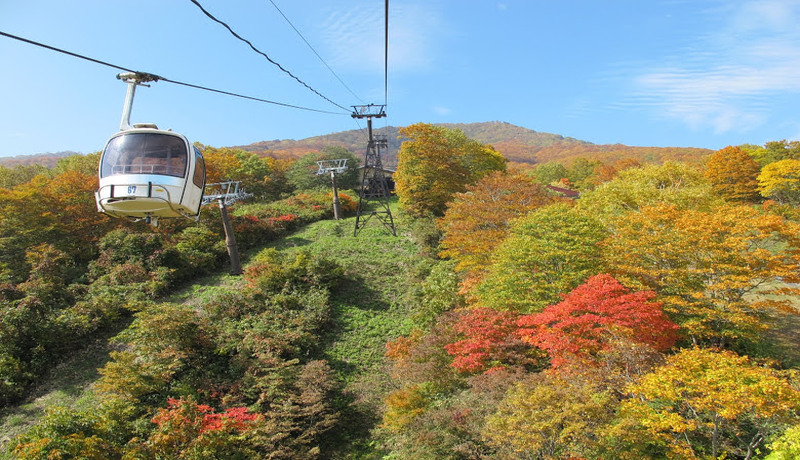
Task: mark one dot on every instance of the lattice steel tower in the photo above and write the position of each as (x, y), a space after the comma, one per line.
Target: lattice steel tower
(373, 198)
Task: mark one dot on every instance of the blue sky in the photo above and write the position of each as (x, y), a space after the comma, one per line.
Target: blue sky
(697, 73)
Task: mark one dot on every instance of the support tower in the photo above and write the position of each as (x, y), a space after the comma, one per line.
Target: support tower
(373, 198)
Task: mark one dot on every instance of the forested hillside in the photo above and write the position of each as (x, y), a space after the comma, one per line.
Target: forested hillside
(651, 317)
(517, 144)
(48, 160)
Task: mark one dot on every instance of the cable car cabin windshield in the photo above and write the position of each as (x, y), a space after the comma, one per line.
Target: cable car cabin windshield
(145, 153)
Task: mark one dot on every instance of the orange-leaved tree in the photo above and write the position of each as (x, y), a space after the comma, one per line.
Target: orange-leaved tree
(263, 177)
(437, 162)
(478, 220)
(705, 264)
(490, 340)
(733, 173)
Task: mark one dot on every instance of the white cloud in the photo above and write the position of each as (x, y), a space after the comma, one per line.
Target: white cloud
(356, 37)
(439, 110)
(724, 83)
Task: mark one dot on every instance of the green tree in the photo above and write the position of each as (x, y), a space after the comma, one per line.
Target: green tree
(20, 174)
(673, 183)
(787, 446)
(436, 163)
(580, 171)
(548, 252)
(773, 151)
(302, 174)
(549, 173)
(84, 164)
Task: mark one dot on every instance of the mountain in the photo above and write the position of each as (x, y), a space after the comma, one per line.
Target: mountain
(45, 159)
(517, 144)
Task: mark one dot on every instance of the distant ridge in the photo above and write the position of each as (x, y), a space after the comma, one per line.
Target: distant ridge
(45, 159)
(517, 144)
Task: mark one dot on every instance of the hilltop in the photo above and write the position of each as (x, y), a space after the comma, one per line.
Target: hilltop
(517, 144)
(47, 160)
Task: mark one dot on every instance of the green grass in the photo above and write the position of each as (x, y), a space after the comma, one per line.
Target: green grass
(370, 306)
(203, 289)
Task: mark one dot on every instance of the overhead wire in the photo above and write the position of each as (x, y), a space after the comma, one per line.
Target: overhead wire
(160, 78)
(386, 58)
(314, 51)
(385, 64)
(249, 43)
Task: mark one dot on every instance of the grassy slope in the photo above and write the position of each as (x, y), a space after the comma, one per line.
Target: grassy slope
(369, 309)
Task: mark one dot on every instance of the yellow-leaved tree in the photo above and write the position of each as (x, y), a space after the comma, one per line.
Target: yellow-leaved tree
(780, 181)
(703, 404)
(549, 417)
(706, 264)
(437, 162)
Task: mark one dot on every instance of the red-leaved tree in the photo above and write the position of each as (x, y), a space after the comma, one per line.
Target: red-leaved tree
(490, 341)
(594, 313)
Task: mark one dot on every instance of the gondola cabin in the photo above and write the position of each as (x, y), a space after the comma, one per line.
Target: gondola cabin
(147, 173)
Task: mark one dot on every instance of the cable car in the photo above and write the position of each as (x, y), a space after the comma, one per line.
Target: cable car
(149, 173)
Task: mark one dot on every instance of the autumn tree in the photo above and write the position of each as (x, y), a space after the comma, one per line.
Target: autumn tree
(602, 173)
(733, 173)
(58, 211)
(773, 151)
(702, 404)
(437, 162)
(549, 173)
(591, 316)
(673, 183)
(422, 370)
(549, 417)
(490, 340)
(550, 251)
(302, 174)
(705, 263)
(478, 220)
(223, 164)
(188, 430)
(780, 181)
